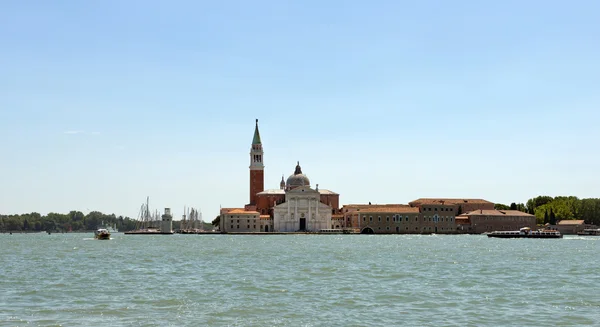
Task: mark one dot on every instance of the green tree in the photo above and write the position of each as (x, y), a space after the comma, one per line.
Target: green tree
(590, 210)
(93, 220)
(539, 201)
(513, 206)
(13, 222)
(552, 218)
(49, 225)
(216, 221)
(546, 220)
(76, 215)
(56, 221)
(500, 206)
(77, 225)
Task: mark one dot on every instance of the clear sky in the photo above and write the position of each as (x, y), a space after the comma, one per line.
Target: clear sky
(103, 103)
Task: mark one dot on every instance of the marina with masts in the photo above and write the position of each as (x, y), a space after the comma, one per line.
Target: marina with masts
(191, 222)
(149, 224)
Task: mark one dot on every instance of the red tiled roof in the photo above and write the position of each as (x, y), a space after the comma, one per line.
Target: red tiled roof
(388, 209)
(375, 205)
(229, 209)
(242, 212)
(448, 201)
(565, 222)
(515, 213)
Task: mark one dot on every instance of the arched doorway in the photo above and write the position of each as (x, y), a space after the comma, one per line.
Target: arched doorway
(367, 230)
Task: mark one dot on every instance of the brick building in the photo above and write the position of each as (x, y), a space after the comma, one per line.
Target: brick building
(400, 218)
(481, 221)
(460, 205)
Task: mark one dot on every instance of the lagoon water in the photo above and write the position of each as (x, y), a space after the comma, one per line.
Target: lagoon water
(298, 280)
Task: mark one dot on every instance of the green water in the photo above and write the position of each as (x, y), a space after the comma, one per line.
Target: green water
(298, 280)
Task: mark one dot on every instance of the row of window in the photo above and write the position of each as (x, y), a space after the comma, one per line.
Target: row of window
(387, 218)
(507, 218)
(253, 217)
(417, 229)
(436, 209)
(398, 218)
(247, 220)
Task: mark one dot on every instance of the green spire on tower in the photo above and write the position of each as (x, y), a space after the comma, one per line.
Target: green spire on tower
(256, 139)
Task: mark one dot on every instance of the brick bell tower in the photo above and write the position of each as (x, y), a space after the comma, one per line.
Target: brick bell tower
(257, 168)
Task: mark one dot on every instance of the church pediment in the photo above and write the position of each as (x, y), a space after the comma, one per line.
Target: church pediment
(303, 190)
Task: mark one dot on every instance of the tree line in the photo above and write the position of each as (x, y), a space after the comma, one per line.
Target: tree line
(57, 222)
(74, 221)
(550, 210)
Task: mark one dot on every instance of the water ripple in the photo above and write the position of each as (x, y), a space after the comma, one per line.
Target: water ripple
(299, 280)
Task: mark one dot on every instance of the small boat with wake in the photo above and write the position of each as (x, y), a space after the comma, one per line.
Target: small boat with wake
(102, 234)
(589, 232)
(526, 232)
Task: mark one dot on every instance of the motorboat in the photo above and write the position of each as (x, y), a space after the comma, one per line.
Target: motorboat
(526, 232)
(102, 234)
(589, 232)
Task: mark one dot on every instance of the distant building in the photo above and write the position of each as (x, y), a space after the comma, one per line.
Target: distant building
(572, 227)
(400, 218)
(481, 221)
(460, 205)
(239, 220)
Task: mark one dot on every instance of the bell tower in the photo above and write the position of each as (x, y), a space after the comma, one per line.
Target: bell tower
(257, 168)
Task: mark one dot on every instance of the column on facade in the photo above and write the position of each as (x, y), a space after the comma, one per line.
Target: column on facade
(309, 213)
(296, 211)
(287, 220)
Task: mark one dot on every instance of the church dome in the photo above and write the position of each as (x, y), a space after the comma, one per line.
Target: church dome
(297, 179)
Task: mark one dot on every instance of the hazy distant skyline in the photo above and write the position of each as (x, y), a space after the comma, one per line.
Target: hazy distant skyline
(105, 103)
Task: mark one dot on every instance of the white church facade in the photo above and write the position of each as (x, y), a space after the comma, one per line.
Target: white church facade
(301, 211)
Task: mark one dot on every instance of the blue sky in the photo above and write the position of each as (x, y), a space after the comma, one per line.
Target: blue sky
(103, 103)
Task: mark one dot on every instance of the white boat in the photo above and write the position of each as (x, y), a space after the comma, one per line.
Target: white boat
(589, 232)
(102, 234)
(526, 232)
